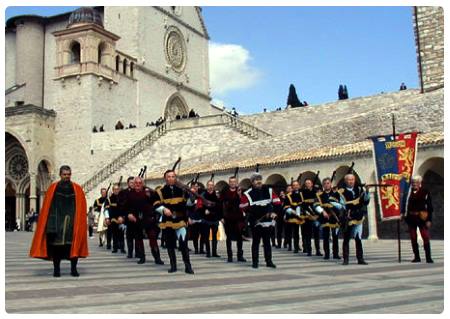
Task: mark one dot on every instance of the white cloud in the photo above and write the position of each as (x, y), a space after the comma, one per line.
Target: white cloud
(229, 68)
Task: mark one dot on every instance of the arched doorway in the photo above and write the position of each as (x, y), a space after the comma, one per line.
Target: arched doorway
(10, 205)
(277, 182)
(176, 105)
(17, 173)
(432, 172)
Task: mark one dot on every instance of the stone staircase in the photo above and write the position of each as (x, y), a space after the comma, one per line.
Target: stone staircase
(223, 119)
(124, 158)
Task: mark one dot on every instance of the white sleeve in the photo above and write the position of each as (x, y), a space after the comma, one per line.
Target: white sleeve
(160, 209)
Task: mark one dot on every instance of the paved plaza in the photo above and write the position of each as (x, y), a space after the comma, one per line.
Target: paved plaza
(111, 283)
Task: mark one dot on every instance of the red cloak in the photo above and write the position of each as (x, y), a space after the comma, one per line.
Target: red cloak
(79, 239)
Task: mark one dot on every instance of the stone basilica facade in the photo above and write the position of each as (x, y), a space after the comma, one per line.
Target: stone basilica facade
(96, 66)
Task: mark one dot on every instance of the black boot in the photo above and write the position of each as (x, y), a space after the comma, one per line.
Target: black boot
(56, 267)
(296, 246)
(240, 252)
(427, 249)
(240, 256)
(308, 247)
(359, 252)
(73, 267)
(141, 259)
(317, 245)
(173, 260)
(345, 253)
(214, 249)
(157, 257)
(187, 263)
(415, 248)
(130, 248)
(208, 248)
(326, 247)
(335, 246)
(229, 251)
(255, 257)
(270, 264)
(195, 241)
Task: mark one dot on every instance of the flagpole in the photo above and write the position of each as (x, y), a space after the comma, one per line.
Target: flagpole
(398, 220)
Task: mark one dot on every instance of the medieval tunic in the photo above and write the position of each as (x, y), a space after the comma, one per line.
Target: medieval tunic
(234, 221)
(258, 203)
(196, 221)
(292, 209)
(356, 200)
(174, 199)
(59, 228)
(114, 212)
(420, 211)
(332, 203)
(122, 202)
(174, 227)
(211, 216)
(232, 215)
(419, 201)
(293, 218)
(311, 227)
(62, 223)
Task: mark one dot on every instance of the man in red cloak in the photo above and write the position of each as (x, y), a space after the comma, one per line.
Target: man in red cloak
(61, 232)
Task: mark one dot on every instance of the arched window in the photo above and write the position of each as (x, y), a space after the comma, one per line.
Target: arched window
(101, 49)
(131, 69)
(117, 63)
(75, 51)
(125, 62)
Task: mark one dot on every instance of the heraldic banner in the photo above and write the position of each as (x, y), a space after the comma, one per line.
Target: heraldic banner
(394, 162)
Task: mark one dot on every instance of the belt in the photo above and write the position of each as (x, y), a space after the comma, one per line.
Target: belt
(173, 225)
(295, 221)
(356, 221)
(330, 225)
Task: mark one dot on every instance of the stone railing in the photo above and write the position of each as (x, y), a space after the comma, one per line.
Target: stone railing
(243, 127)
(123, 158)
(219, 119)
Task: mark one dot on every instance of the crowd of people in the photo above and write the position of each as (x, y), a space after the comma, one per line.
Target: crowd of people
(181, 213)
(158, 122)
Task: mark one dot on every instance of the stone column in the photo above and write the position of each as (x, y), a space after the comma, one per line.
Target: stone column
(33, 196)
(372, 216)
(20, 210)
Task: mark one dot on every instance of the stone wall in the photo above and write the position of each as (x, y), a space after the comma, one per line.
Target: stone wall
(10, 59)
(429, 35)
(29, 59)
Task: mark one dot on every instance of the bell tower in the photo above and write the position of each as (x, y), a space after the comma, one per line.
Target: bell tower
(85, 47)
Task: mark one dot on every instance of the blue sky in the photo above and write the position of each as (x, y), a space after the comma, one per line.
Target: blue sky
(256, 52)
